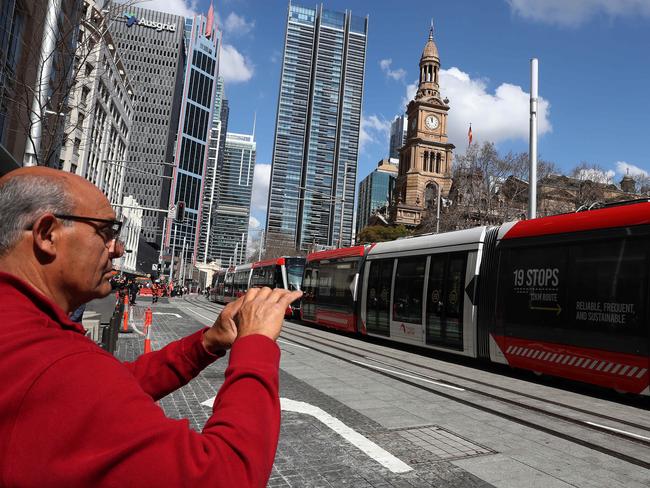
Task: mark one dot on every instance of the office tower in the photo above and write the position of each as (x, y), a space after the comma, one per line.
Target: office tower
(210, 191)
(202, 44)
(376, 191)
(101, 101)
(315, 150)
(151, 46)
(397, 135)
(232, 212)
(37, 47)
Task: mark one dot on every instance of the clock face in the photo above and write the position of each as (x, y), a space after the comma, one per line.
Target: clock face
(432, 122)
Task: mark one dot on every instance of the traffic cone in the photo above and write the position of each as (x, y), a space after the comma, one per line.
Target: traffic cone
(125, 324)
(147, 328)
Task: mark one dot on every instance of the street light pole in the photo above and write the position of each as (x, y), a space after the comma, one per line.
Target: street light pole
(438, 212)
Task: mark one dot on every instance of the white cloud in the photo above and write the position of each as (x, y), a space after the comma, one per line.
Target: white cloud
(597, 175)
(575, 12)
(622, 168)
(253, 223)
(397, 74)
(495, 117)
(233, 66)
(237, 25)
(261, 182)
(374, 129)
(184, 8)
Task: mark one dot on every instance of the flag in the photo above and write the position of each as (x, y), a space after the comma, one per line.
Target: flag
(208, 26)
(469, 135)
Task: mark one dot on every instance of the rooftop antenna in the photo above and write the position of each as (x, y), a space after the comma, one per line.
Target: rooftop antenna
(431, 30)
(254, 122)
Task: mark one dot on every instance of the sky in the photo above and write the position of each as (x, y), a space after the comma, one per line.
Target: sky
(594, 74)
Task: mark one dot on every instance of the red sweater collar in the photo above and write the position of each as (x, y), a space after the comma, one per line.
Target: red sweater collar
(13, 289)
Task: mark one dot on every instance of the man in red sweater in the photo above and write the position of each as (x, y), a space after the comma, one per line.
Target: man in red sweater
(71, 415)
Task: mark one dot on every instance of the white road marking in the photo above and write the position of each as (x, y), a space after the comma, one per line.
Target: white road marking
(166, 313)
(197, 313)
(292, 344)
(362, 443)
(619, 431)
(419, 378)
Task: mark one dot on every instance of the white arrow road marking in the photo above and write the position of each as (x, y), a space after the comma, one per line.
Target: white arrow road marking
(419, 378)
(362, 443)
(165, 313)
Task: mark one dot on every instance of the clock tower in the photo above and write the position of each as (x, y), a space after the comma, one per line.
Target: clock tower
(425, 159)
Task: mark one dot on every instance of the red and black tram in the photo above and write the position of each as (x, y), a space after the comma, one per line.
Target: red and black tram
(565, 295)
(284, 272)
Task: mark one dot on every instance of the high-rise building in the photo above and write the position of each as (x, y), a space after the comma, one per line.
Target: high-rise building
(98, 124)
(202, 49)
(37, 50)
(397, 135)
(376, 191)
(211, 187)
(150, 44)
(232, 212)
(314, 165)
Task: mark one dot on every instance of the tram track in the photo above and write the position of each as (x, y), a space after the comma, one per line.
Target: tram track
(417, 378)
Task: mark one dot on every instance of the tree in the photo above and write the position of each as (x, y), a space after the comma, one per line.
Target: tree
(24, 100)
(487, 189)
(380, 233)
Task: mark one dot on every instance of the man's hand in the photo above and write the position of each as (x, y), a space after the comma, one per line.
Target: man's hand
(262, 311)
(223, 332)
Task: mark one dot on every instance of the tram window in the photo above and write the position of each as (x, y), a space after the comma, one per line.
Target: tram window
(309, 294)
(378, 299)
(608, 286)
(445, 300)
(409, 284)
(334, 281)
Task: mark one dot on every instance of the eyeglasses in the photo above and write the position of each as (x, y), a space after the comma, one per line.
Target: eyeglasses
(109, 232)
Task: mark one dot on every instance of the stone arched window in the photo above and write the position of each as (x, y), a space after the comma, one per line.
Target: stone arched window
(431, 195)
(438, 163)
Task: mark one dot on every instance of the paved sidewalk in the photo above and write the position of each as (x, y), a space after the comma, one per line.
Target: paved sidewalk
(309, 453)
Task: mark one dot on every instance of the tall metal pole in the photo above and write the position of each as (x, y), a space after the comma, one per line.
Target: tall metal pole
(345, 180)
(183, 261)
(173, 234)
(40, 100)
(532, 181)
(438, 212)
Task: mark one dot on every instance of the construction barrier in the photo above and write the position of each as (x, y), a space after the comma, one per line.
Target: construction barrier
(148, 319)
(125, 324)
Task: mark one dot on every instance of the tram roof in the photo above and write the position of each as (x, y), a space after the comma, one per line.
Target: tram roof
(455, 238)
(623, 215)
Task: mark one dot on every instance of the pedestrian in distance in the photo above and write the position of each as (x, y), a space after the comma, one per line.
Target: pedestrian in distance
(72, 414)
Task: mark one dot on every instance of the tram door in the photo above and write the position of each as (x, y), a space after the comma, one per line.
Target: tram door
(377, 300)
(407, 312)
(445, 290)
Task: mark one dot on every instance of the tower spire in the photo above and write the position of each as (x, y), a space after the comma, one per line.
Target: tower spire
(431, 30)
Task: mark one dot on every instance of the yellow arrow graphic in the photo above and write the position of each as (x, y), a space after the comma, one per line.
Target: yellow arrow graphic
(557, 309)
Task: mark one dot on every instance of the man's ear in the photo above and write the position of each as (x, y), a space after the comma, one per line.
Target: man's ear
(45, 233)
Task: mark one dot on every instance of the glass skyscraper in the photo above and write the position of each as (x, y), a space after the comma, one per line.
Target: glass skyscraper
(397, 135)
(211, 188)
(317, 128)
(376, 191)
(201, 71)
(229, 232)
